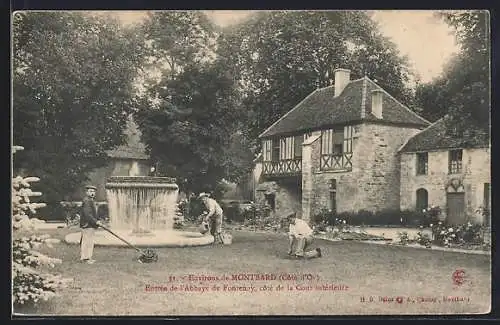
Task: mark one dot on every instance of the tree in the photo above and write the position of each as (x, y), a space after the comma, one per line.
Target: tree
(463, 90)
(174, 40)
(471, 79)
(31, 282)
(433, 97)
(191, 132)
(73, 91)
(190, 110)
(278, 58)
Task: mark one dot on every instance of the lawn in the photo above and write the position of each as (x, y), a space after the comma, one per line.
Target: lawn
(116, 284)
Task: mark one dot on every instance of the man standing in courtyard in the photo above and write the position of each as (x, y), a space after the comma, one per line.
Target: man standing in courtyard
(213, 217)
(88, 224)
(301, 237)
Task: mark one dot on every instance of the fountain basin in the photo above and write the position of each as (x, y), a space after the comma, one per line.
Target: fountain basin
(141, 182)
(157, 238)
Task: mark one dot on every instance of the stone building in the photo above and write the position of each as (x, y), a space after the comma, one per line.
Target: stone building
(129, 159)
(452, 173)
(336, 149)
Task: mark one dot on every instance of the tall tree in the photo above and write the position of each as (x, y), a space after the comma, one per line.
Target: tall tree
(174, 40)
(278, 58)
(72, 91)
(189, 116)
(470, 80)
(191, 132)
(463, 90)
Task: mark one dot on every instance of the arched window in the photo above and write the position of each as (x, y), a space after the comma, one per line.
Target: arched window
(422, 199)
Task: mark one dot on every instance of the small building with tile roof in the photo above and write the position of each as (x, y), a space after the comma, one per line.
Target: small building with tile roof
(129, 159)
(442, 168)
(336, 150)
(352, 146)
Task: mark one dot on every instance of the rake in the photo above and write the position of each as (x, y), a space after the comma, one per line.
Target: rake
(147, 256)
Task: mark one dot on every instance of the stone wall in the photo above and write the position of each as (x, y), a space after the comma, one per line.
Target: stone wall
(287, 196)
(310, 154)
(476, 172)
(373, 183)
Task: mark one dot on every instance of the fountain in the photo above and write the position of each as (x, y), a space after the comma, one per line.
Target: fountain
(142, 211)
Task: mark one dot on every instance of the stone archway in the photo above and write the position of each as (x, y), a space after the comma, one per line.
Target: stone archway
(422, 199)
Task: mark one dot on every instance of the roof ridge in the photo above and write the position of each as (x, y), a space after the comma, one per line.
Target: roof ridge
(419, 132)
(397, 101)
(287, 113)
(331, 86)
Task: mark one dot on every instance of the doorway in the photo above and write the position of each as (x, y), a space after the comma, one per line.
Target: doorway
(422, 199)
(271, 200)
(455, 204)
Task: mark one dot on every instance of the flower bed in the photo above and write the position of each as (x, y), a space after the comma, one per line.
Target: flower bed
(467, 236)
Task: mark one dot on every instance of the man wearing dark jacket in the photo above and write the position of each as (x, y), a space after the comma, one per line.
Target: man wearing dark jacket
(88, 224)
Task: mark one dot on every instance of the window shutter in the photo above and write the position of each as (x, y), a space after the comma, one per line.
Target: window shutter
(348, 135)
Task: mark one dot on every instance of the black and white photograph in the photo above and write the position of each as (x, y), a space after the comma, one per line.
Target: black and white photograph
(250, 163)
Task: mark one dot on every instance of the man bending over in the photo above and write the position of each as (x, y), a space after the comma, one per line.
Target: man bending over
(301, 236)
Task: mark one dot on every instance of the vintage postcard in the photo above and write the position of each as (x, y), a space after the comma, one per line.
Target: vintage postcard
(211, 163)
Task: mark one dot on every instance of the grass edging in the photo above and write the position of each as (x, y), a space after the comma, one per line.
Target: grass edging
(389, 243)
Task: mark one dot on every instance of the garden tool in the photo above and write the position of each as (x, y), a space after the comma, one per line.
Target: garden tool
(147, 256)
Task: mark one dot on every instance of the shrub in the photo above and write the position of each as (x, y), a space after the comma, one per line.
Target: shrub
(257, 214)
(486, 213)
(323, 218)
(403, 238)
(389, 217)
(342, 216)
(412, 218)
(431, 215)
(326, 218)
(465, 234)
(103, 212)
(233, 213)
(71, 211)
(423, 239)
(363, 217)
(29, 281)
(193, 209)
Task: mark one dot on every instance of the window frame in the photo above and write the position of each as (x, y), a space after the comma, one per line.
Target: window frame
(455, 163)
(267, 150)
(425, 166)
(297, 146)
(329, 142)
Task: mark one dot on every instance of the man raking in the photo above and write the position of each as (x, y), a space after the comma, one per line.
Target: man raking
(88, 224)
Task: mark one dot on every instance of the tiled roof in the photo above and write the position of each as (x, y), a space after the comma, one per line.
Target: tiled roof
(321, 109)
(435, 137)
(133, 148)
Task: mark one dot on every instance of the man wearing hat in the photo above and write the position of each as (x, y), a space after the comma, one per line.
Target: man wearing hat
(88, 224)
(301, 236)
(213, 217)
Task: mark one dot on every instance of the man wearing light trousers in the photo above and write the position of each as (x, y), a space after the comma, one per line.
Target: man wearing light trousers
(214, 217)
(88, 224)
(300, 237)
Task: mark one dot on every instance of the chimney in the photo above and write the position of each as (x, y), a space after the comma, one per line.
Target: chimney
(342, 78)
(377, 100)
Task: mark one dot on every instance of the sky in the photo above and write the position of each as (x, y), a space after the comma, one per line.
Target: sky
(426, 41)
